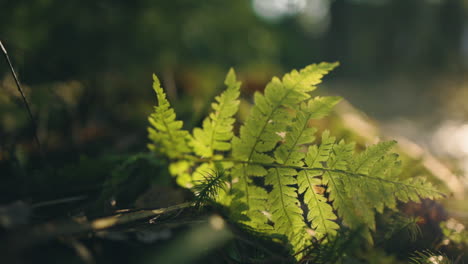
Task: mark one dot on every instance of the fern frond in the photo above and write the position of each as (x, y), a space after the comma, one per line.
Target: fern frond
(284, 203)
(248, 206)
(320, 213)
(269, 115)
(217, 127)
(363, 201)
(267, 119)
(166, 132)
(380, 186)
(360, 184)
(364, 161)
(336, 183)
(274, 162)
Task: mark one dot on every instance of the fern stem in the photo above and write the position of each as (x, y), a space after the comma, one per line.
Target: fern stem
(246, 186)
(323, 170)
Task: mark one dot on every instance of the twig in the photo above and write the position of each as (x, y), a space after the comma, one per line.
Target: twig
(60, 201)
(25, 101)
(51, 230)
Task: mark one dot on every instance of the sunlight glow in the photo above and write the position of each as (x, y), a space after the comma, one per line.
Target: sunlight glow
(313, 15)
(454, 225)
(276, 9)
(451, 138)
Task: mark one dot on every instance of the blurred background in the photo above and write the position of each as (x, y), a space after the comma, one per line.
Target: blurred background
(86, 68)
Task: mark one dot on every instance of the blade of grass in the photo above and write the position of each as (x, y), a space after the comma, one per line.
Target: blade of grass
(25, 101)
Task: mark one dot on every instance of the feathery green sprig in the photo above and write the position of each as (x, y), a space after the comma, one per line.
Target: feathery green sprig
(274, 178)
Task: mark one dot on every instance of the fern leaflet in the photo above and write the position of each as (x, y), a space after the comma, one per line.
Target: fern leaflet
(217, 127)
(320, 213)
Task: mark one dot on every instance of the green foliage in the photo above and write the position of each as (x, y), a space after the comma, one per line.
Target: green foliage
(275, 161)
(398, 223)
(454, 232)
(429, 257)
(207, 189)
(217, 127)
(323, 218)
(166, 132)
(335, 249)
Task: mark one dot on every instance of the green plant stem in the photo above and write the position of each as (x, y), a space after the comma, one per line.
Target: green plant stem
(322, 170)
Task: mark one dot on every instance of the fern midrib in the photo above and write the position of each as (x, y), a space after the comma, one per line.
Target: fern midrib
(285, 162)
(283, 206)
(263, 128)
(333, 180)
(362, 163)
(337, 171)
(167, 127)
(271, 114)
(246, 185)
(214, 129)
(212, 138)
(256, 142)
(311, 188)
(297, 139)
(336, 189)
(272, 165)
(244, 175)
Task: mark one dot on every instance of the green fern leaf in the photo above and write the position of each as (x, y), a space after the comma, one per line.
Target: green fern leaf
(217, 127)
(284, 207)
(363, 201)
(284, 204)
(267, 119)
(363, 162)
(320, 213)
(248, 206)
(336, 184)
(367, 182)
(166, 134)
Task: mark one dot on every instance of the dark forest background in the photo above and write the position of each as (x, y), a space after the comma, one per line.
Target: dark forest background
(86, 68)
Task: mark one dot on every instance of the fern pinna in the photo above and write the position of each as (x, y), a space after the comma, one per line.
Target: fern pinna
(276, 145)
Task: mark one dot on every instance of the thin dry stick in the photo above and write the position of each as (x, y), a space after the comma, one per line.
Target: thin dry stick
(46, 231)
(25, 101)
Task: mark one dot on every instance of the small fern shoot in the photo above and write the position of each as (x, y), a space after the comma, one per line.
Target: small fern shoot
(206, 190)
